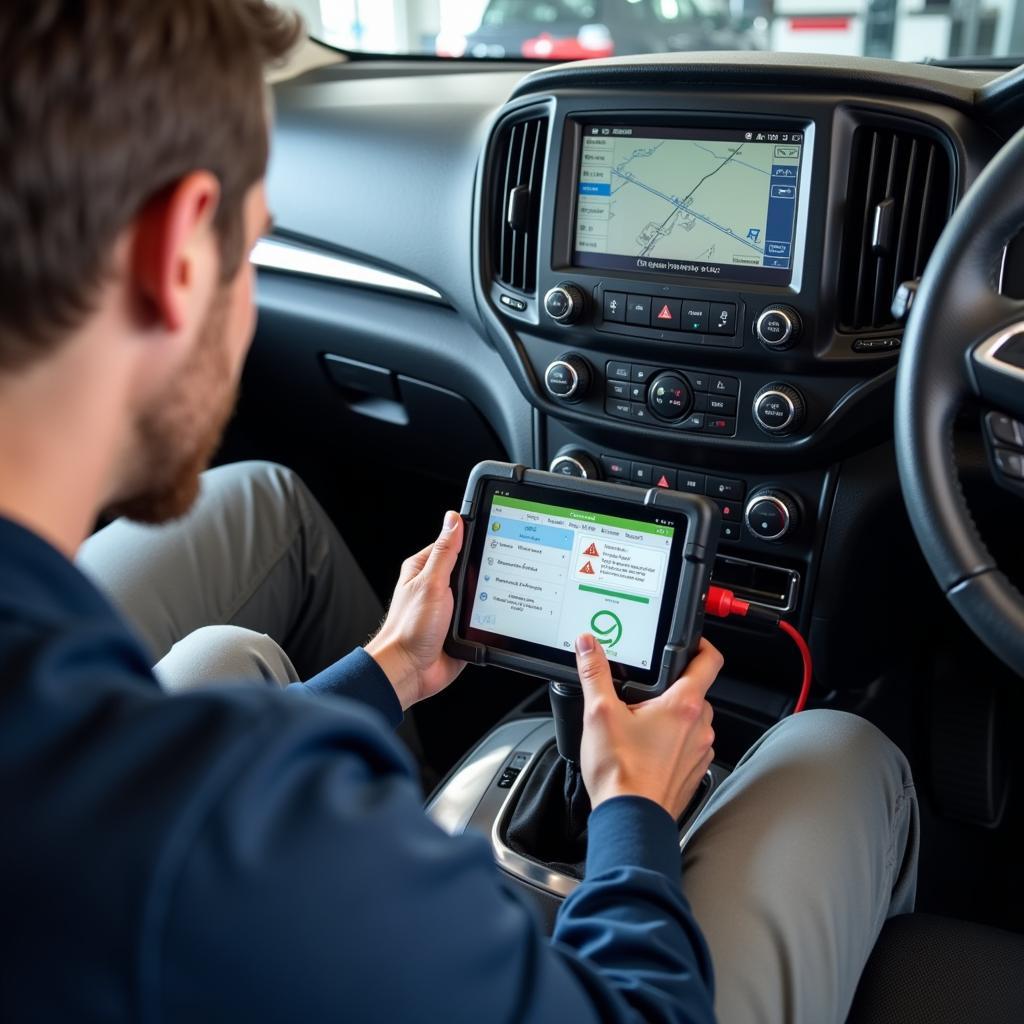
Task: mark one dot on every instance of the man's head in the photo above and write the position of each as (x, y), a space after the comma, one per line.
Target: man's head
(133, 147)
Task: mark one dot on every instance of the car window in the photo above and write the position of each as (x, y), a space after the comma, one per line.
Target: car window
(910, 30)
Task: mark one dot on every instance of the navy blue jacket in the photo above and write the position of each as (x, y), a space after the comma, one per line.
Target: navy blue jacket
(244, 855)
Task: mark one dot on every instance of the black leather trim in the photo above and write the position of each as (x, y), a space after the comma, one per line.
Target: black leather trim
(958, 306)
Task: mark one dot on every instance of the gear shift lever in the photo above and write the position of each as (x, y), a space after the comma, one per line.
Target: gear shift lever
(549, 822)
(567, 711)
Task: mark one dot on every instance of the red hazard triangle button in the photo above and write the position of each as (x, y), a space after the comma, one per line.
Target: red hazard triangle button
(663, 481)
(666, 312)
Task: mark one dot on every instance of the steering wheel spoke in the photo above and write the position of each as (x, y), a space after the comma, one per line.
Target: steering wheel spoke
(997, 370)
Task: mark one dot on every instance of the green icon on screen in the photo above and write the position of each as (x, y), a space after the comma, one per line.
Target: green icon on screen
(495, 526)
(606, 627)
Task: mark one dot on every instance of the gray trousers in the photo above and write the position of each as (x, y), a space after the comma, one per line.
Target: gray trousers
(791, 868)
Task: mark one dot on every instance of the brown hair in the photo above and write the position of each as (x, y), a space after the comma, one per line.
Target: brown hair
(104, 104)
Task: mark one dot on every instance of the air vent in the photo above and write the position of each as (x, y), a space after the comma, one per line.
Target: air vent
(518, 170)
(899, 200)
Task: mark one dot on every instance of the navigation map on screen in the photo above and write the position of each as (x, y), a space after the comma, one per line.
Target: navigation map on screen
(679, 201)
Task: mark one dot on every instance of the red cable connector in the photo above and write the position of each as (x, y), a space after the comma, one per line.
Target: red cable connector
(724, 604)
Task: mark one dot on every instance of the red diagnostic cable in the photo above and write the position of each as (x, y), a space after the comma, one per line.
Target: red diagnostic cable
(724, 603)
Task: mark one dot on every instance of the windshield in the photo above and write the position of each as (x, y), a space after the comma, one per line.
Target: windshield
(911, 30)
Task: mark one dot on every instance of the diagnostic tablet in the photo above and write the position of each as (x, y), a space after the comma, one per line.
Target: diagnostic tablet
(548, 557)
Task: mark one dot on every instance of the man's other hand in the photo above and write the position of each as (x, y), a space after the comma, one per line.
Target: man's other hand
(408, 647)
(659, 749)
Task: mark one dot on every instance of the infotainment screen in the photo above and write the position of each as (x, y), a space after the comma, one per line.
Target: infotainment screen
(548, 572)
(717, 203)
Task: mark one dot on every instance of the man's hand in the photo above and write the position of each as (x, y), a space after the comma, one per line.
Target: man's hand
(659, 749)
(408, 646)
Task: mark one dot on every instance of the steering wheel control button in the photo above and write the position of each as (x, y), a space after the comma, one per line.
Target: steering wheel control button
(722, 386)
(618, 371)
(1005, 430)
(695, 317)
(770, 515)
(1009, 463)
(577, 464)
(778, 409)
(615, 307)
(567, 378)
(564, 303)
(778, 327)
(722, 318)
(638, 310)
(670, 397)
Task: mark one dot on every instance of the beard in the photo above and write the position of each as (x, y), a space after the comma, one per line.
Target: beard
(177, 436)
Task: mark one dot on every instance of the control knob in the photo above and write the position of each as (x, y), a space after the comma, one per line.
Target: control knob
(669, 397)
(771, 514)
(565, 303)
(778, 327)
(567, 378)
(779, 409)
(573, 462)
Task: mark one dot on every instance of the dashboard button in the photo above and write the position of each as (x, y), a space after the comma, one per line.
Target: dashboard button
(664, 477)
(731, 511)
(637, 411)
(720, 487)
(615, 469)
(698, 381)
(615, 307)
(730, 531)
(722, 404)
(638, 310)
(617, 407)
(665, 313)
(638, 392)
(618, 371)
(695, 316)
(722, 318)
(724, 386)
(618, 389)
(642, 374)
(724, 425)
(692, 483)
(1005, 430)
(640, 473)
(695, 421)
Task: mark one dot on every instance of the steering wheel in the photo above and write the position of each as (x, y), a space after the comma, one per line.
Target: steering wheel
(964, 341)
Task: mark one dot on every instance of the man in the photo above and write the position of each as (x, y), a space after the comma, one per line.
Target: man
(259, 853)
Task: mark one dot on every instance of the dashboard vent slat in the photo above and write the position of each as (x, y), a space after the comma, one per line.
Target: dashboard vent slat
(518, 161)
(899, 198)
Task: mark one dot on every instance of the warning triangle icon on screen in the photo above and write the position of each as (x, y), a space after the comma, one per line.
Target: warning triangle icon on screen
(587, 570)
(592, 550)
(666, 313)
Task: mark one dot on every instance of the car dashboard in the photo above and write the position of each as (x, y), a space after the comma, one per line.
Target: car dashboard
(471, 240)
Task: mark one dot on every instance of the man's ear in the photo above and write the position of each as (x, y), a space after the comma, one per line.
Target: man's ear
(171, 248)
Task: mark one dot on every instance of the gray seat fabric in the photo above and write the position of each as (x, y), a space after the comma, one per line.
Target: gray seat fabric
(935, 970)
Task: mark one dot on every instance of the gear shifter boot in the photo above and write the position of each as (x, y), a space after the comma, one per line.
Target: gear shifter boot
(549, 821)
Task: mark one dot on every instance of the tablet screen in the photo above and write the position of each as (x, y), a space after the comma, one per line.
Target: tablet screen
(547, 565)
